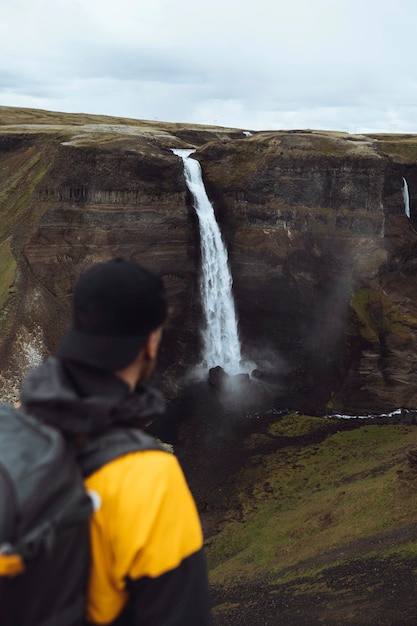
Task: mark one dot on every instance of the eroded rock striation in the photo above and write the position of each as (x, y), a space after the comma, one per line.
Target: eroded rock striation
(321, 252)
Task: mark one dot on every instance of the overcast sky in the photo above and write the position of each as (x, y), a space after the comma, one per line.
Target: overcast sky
(347, 65)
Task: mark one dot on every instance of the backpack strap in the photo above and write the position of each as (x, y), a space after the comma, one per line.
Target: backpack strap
(93, 453)
(14, 556)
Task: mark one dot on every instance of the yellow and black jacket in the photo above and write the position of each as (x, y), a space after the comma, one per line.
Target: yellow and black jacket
(147, 566)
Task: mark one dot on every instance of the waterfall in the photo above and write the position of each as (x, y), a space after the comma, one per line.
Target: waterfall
(406, 198)
(221, 345)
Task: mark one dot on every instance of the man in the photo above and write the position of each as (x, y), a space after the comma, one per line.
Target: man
(148, 565)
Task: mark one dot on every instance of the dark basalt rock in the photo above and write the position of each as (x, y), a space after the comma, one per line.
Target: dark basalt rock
(217, 377)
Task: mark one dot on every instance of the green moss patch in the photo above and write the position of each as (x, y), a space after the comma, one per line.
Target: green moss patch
(7, 272)
(18, 186)
(295, 425)
(403, 149)
(360, 303)
(378, 315)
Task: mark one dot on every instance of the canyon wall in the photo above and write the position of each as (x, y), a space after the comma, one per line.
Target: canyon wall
(322, 254)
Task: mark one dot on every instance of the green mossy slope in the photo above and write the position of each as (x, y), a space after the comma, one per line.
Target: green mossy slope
(305, 508)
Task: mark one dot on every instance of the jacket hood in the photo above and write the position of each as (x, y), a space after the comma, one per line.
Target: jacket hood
(80, 400)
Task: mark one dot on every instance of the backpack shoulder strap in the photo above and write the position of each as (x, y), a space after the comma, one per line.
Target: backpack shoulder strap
(93, 453)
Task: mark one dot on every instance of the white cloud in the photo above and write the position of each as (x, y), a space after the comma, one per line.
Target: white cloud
(265, 64)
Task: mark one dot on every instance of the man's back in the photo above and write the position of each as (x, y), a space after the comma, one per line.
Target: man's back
(146, 537)
(147, 564)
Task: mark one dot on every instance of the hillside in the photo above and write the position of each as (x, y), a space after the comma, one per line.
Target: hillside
(310, 521)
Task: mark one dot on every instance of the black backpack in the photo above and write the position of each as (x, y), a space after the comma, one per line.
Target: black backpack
(44, 515)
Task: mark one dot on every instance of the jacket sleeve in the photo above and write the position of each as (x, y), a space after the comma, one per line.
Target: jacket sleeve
(148, 562)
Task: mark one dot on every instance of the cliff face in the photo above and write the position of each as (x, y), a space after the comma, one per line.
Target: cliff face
(322, 255)
(323, 261)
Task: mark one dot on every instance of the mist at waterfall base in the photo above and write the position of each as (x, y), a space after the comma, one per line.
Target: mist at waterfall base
(220, 336)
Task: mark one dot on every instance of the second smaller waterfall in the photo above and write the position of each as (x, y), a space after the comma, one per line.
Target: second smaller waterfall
(221, 345)
(406, 198)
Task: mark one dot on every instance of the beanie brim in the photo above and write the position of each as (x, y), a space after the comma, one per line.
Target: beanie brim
(110, 353)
